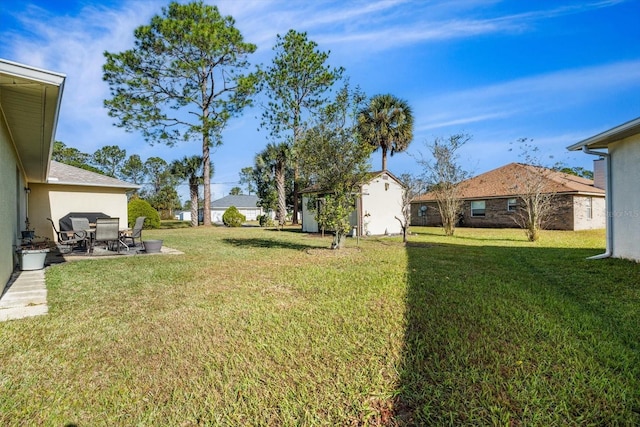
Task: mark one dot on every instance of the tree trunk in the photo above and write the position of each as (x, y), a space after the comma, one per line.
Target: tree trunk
(384, 158)
(206, 173)
(338, 240)
(280, 186)
(193, 192)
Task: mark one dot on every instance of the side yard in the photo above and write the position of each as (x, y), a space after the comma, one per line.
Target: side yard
(259, 327)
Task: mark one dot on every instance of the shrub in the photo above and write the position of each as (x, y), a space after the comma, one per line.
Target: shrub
(232, 217)
(139, 207)
(265, 221)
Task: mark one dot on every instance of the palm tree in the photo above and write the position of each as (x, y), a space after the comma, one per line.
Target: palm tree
(387, 123)
(190, 169)
(274, 161)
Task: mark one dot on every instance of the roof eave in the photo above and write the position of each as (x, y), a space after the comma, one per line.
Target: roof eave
(77, 184)
(602, 140)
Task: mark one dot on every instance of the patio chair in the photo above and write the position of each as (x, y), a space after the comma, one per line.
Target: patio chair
(107, 231)
(82, 224)
(70, 239)
(136, 232)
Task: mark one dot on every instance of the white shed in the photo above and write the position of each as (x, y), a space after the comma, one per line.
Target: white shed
(377, 207)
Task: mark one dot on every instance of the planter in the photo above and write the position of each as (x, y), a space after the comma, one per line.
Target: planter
(31, 259)
(152, 246)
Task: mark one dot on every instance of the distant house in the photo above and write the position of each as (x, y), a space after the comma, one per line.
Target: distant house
(377, 206)
(620, 148)
(491, 200)
(31, 185)
(247, 204)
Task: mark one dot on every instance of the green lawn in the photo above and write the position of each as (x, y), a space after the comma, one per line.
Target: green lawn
(260, 327)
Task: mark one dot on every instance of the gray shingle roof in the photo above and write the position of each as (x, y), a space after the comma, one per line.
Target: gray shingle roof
(62, 174)
(240, 201)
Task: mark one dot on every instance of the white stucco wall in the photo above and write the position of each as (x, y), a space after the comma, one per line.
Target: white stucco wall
(381, 203)
(625, 193)
(12, 206)
(55, 201)
(309, 223)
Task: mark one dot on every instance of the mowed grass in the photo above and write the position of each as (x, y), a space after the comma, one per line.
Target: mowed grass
(260, 327)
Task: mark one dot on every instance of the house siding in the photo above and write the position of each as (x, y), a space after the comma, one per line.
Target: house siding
(625, 176)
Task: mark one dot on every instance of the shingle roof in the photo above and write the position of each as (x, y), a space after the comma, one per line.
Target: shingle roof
(503, 182)
(62, 174)
(239, 201)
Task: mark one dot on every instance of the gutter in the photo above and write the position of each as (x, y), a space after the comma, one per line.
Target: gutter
(609, 201)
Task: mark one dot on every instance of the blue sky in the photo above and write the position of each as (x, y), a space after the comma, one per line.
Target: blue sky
(554, 71)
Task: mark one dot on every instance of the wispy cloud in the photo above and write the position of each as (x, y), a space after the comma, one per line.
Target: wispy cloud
(531, 95)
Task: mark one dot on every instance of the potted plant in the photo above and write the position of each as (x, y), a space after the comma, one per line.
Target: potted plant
(32, 254)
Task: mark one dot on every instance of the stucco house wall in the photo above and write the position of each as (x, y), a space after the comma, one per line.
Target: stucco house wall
(29, 104)
(55, 201)
(620, 149)
(625, 176)
(12, 208)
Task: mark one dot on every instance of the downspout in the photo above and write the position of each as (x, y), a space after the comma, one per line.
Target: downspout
(609, 201)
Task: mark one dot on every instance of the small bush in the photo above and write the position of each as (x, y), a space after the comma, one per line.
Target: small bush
(232, 217)
(265, 221)
(139, 207)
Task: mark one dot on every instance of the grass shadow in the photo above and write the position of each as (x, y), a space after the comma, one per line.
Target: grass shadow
(523, 336)
(266, 243)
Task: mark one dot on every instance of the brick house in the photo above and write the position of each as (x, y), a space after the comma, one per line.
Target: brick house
(491, 200)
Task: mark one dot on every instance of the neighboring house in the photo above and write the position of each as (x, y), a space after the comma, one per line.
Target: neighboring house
(246, 204)
(377, 207)
(491, 200)
(622, 171)
(29, 106)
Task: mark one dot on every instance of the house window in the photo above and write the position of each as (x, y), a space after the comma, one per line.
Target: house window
(512, 205)
(478, 208)
(422, 211)
(386, 186)
(589, 207)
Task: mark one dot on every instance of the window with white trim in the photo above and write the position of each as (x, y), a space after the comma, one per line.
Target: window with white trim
(422, 211)
(512, 204)
(478, 208)
(589, 207)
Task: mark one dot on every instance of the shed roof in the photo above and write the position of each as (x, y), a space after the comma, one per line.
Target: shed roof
(62, 174)
(503, 182)
(368, 178)
(239, 201)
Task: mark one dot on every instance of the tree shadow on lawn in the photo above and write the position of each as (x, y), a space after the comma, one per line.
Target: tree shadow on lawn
(267, 243)
(500, 335)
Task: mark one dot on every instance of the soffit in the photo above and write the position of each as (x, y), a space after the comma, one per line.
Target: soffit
(30, 110)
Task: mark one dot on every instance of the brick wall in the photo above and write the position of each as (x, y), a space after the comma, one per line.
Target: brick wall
(497, 215)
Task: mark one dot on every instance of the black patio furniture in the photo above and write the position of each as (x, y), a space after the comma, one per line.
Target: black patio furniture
(69, 239)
